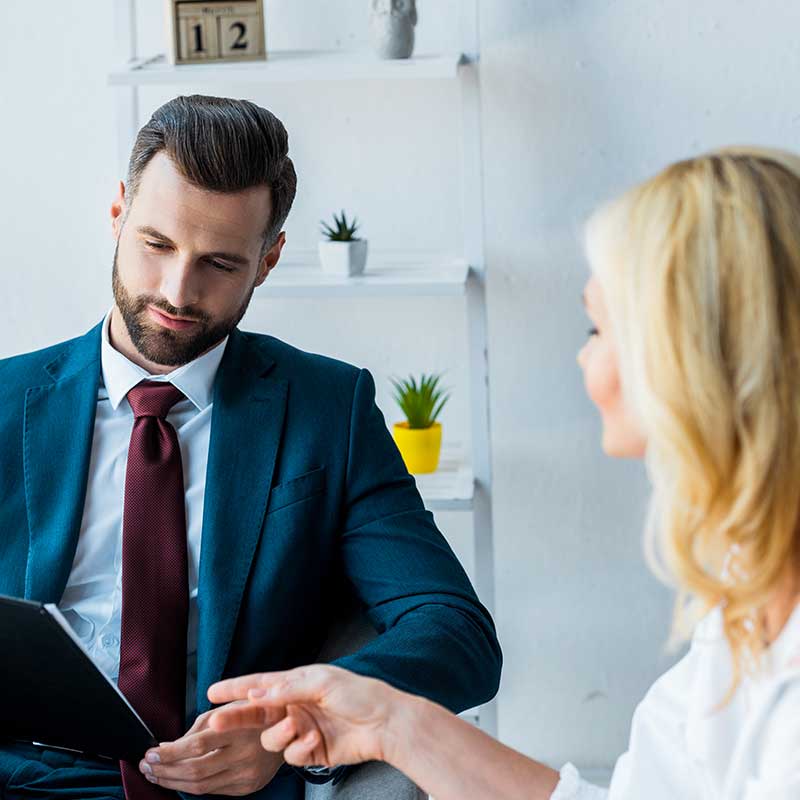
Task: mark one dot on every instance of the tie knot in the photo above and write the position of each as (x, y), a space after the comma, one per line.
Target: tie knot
(153, 399)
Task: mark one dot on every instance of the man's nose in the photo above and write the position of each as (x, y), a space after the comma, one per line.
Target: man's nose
(178, 283)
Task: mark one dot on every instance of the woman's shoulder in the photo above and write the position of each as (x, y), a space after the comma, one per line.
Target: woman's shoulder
(763, 762)
(696, 683)
(684, 725)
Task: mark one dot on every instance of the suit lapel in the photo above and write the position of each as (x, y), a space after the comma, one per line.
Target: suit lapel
(57, 445)
(246, 425)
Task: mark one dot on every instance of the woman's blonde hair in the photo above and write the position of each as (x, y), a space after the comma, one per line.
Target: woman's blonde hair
(700, 268)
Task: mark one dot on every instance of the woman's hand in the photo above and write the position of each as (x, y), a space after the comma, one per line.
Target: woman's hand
(332, 716)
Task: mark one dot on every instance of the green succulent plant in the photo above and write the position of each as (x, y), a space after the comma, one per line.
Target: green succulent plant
(341, 230)
(422, 401)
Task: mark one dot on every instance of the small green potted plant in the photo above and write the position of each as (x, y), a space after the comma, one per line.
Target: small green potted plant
(419, 437)
(341, 252)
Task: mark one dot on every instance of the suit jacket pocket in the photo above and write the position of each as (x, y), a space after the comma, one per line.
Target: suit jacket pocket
(300, 488)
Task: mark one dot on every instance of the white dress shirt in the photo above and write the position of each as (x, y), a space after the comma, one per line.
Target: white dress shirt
(684, 746)
(93, 597)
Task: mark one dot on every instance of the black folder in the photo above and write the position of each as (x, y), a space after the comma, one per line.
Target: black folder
(52, 693)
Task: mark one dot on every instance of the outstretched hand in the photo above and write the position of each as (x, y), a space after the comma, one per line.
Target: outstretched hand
(332, 716)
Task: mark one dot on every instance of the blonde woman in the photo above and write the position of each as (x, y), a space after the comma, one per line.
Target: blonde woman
(694, 364)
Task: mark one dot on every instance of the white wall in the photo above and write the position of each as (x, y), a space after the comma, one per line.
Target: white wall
(580, 99)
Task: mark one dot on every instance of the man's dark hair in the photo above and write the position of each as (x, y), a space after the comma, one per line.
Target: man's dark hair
(221, 145)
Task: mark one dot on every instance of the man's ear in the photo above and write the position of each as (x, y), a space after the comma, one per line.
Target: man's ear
(271, 258)
(118, 208)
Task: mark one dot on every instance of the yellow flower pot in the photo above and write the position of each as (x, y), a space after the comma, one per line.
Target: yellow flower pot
(420, 447)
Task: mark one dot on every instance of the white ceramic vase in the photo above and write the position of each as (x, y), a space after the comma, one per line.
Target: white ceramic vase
(392, 27)
(344, 259)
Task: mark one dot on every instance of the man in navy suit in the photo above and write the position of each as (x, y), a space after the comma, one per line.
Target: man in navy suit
(296, 499)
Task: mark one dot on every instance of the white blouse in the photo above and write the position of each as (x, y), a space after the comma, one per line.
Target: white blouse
(683, 747)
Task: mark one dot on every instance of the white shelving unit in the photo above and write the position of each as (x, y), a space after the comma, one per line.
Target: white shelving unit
(462, 485)
(387, 275)
(289, 67)
(451, 487)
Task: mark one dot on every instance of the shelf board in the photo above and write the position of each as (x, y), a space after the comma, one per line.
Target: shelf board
(290, 66)
(381, 280)
(451, 487)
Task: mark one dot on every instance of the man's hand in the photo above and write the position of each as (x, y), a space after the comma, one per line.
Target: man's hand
(204, 761)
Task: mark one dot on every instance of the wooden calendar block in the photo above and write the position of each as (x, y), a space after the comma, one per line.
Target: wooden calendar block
(239, 36)
(198, 40)
(215, 31)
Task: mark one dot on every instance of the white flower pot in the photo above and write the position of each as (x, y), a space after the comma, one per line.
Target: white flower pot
(343, 258)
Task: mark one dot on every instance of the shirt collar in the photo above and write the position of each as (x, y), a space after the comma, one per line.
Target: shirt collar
(195, 379)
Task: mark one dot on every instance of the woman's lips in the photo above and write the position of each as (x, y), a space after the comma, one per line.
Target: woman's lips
(170, 322)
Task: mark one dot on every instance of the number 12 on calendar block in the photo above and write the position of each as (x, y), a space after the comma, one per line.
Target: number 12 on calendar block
(215, 31)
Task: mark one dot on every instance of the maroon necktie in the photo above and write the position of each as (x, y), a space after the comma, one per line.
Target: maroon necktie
(155, 582)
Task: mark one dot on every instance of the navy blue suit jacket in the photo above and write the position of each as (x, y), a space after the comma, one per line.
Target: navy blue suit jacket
(307, 505)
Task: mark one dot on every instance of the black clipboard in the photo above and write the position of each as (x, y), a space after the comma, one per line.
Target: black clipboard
(52, 693)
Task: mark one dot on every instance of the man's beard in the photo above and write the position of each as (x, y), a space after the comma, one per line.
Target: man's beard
(161, 345)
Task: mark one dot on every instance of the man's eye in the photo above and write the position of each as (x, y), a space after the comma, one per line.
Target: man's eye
(156, 245)
(220, 266)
